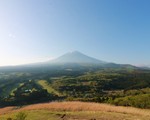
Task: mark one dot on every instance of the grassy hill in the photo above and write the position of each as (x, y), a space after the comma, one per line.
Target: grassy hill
(75, 111)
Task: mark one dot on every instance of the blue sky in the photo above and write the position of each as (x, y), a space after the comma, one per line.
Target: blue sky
(110, 30)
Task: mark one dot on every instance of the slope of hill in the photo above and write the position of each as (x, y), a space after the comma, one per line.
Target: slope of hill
(76, 111)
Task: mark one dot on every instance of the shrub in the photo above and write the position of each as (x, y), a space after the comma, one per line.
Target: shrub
(9, 118)
(140, 101)
(21, 116)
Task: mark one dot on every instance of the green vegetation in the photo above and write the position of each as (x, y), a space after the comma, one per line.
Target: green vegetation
(21, 116)
(48, 87)
(141, 101)
(127, 87)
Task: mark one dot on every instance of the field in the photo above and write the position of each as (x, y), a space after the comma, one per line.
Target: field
(76, 111)
(45, 85)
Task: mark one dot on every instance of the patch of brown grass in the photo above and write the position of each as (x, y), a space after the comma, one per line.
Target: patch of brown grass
(86, 106)
(6, 110)
(79, 106)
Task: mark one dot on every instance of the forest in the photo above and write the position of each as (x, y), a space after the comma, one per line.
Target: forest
(121, 87)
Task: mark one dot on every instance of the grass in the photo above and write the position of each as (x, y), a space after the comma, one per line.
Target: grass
(45, 85)
(33, 115)
(82, 115)
(76, 111)
(15, 88)
(8, 89)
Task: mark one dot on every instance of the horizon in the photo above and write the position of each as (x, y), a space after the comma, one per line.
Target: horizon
(70, 52)
(36, 31)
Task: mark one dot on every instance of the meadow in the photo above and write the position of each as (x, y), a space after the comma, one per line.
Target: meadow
(75, 111)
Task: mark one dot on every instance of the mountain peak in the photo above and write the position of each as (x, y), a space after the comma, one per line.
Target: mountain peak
(76, 57)
(74, 52)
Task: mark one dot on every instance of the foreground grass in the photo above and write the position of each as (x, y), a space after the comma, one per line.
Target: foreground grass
(76, 111)
(77, 115)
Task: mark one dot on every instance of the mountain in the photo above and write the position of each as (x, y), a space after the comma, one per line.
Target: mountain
(72, 60)
(76, 57)
(145, 67)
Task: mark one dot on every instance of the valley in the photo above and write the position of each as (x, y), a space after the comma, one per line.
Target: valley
(118, 87)
(80, 91)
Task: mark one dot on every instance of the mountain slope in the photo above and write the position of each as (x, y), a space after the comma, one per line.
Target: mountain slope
(75, 60)
(76, 57)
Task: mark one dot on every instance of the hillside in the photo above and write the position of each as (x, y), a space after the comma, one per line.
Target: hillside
(76, 111)
(76, 57)
(125, 87)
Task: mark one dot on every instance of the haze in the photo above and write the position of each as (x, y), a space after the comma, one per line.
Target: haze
(39, 30)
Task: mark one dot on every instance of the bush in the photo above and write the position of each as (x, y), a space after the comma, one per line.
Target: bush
(9, 118)
(21, 116)
(140, 101)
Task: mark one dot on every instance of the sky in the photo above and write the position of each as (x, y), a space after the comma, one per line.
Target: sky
(39, 30)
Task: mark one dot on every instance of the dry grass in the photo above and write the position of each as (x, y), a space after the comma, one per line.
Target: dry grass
(85, 106)
(5, 110)
(79, 106)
